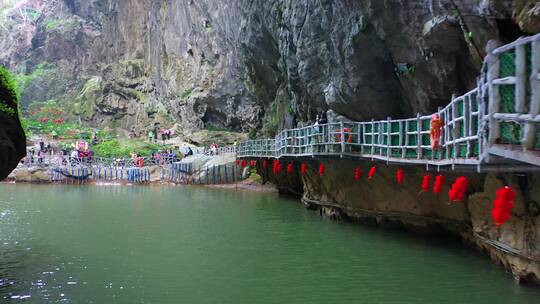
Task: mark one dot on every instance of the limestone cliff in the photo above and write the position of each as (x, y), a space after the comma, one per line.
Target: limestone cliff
(250, 64)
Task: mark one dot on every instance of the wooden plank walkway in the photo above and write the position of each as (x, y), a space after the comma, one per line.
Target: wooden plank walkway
(497, 123)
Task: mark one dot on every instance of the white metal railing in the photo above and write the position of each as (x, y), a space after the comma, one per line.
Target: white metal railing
(470, 133)
(219, 151)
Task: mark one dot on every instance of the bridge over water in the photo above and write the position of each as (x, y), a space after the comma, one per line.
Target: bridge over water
(495, 126)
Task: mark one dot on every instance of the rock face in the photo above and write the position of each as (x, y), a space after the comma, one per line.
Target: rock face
(12, 143)
(382, 201)
(251, 64)
(212, 170)
(12, 138)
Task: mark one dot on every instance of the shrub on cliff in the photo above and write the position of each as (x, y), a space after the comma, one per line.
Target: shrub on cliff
(124, 148)
(8, 93)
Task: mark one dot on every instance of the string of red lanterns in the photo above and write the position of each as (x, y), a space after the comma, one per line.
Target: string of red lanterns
(503, 203)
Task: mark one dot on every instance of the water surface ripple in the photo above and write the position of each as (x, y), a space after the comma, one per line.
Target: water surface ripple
(62, 244)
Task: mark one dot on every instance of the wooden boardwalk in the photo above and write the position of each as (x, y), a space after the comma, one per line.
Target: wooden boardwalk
(497, 124)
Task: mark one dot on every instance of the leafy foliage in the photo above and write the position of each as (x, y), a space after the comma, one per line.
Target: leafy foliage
(8, 93)
(186, 94)
(41, 70)
(47, 118)
(62, 25)
(124, 148)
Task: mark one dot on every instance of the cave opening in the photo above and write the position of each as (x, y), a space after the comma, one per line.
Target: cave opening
(509, 31)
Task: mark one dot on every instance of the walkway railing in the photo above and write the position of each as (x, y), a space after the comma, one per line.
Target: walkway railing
(500, 117)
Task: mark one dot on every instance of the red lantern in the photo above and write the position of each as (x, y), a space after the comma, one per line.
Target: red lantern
(238, 162)
(275, 166)
(503, 205)
(426, 181)
(279, 168)
(290, 168)
(322, 169)
(500, 216)
(372, 172)
(438, 184)
(253, 163)
(400, 176)
(499, 203)
(265, 164)
(303, 169)
(458, 189)
(506, 193)
(244, 163)
(357, 173)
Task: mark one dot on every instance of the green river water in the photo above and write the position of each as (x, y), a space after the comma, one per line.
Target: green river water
(76, 244)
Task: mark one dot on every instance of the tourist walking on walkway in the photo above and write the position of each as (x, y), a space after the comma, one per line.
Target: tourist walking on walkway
(213, 149)
(74, 156)
(41, 156)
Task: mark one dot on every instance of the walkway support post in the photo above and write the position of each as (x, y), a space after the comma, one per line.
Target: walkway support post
(342, 130)
(530, 128)
(372, 137)
(493, 66)
(389, 138)
(418, 136)
(521, 79)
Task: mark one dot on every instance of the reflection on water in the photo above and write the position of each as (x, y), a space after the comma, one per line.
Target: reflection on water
(111, 244)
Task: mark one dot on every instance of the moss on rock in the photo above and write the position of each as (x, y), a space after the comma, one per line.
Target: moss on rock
(84, 103)
(8, 93)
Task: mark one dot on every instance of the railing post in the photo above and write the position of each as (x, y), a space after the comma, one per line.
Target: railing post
(342, 130)
(521, 78)
(530, 128)
(455, 127)
(418, 136)
(467, 120)
(363, 141)
(360, 140)
(389, 138)
(493, 64)
(402, 142)
(373, 136)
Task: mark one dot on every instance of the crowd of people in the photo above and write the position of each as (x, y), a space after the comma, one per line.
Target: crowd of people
(157, 133)
(40, 154)
(81, 153)
(46, 153)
